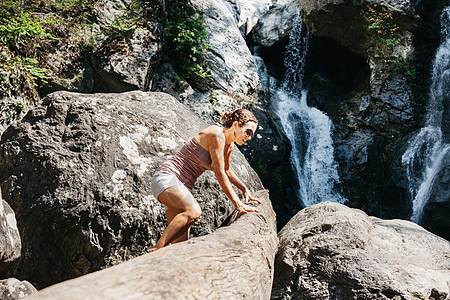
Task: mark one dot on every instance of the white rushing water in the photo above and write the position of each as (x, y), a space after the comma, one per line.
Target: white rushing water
(308, 129)
(427, 150)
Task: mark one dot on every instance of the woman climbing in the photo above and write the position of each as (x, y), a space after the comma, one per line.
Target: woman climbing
(210, 149)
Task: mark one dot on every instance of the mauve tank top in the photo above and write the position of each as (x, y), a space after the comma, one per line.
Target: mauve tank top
(189, 163)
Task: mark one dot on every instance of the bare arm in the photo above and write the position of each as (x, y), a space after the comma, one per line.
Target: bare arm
(216, 149)
(236, 181)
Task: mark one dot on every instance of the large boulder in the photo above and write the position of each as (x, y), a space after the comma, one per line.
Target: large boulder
(77, 172)
(234, 262)
(330, 251)
(10, 243)
(251, 12)
(228, 60)
(275, 24)
(13, 289)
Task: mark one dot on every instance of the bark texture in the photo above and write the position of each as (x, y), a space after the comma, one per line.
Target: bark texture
(234, 262)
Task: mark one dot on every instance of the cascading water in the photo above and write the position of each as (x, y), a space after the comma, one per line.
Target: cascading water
(308, 129)
(427, 150)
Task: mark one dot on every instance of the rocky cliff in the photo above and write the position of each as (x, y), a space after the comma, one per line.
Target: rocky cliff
(368, 69)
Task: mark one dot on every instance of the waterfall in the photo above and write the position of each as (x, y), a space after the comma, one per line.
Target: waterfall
(427, 150)
(308, 129)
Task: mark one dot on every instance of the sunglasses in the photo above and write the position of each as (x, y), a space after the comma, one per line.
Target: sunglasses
(249, 133)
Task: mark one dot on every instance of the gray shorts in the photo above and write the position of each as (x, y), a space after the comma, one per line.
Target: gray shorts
(162, 180)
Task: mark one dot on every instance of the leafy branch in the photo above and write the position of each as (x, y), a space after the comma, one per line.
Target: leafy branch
(186, 38)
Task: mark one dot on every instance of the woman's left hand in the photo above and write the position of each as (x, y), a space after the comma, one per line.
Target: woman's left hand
(248, 197)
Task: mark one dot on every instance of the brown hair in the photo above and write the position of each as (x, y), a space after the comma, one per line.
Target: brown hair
(242, 116)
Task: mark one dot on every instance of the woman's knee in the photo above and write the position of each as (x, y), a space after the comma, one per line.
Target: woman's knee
(194, 213)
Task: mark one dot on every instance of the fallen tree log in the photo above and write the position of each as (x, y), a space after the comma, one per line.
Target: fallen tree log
(233, 262)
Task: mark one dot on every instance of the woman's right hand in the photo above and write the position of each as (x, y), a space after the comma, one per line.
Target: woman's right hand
(244, 208)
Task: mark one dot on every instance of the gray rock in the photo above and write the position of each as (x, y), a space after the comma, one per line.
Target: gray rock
(275, 24)
(131, 67)
(229, 60)
(345, 24)
(10, 243)
(99, 58)
(13, 289)
(77, 172)
(251, 11)
(234, 262)
(330, 251)
(127, 62)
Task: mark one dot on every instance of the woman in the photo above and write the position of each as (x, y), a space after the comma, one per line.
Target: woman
(210, 149)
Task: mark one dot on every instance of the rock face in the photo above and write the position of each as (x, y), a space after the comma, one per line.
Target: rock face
(275, 25)
(330, 251)
(437, 210)
(373, 91)
(351, 32)
(229, 60)
(10, 243)
(234, 262)
(362, 84)
(13, 289)
(108, 55)
(77, 172)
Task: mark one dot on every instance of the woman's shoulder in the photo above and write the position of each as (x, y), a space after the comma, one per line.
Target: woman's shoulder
(205, 136)
(213, 130)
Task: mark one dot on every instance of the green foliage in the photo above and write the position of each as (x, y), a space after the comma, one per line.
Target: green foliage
(21, 30)
(122, 25)
(186, 38)
(133, 18)
(10, 8)
(409, 70)
(31, 70)
(418, 296)
(380, 22)
(212, 95)
(10, 111)
(18, 31)
(278, 177)
(73, 11)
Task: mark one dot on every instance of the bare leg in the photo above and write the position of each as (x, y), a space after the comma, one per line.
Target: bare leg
(186, 211)
(170, 215)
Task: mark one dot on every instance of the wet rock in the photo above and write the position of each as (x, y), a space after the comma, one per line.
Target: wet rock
(436, 211)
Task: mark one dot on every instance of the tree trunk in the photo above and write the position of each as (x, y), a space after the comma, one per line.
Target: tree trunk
(234, 262)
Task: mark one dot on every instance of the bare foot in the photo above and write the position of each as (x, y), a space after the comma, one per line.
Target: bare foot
(153, 249)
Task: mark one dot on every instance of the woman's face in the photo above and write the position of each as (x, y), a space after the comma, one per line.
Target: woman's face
(245, 132)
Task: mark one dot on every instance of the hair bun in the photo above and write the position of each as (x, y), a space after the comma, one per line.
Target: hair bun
(241, 115)
(227, 118)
